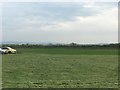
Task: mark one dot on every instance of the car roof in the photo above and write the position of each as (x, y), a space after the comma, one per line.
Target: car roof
(5, 47)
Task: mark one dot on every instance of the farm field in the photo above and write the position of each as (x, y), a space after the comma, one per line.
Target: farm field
(61, 68)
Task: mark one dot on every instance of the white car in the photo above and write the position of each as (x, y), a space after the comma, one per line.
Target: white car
(2, 51)
(6, 50)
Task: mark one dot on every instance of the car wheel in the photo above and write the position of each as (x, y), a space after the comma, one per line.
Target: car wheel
(9, 52)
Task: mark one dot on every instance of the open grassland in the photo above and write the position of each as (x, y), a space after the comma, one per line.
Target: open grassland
(61, 67)
(69, 51)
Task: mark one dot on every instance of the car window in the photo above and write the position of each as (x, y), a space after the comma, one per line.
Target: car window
(5, 48)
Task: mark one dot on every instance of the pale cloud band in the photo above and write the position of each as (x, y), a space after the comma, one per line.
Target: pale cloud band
(59, 1)
(61, 22)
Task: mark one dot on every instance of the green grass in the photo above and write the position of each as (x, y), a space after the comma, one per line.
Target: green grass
(61, 67)
(69, 51)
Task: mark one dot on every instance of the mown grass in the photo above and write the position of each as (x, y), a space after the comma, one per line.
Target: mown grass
(69, 51)
(60, 68)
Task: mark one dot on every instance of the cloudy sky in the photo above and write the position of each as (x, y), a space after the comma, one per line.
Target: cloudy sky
(60, 22)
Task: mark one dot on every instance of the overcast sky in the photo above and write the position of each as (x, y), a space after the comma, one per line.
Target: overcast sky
(60, 22)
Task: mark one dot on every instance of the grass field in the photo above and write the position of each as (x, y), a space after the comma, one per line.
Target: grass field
(61, 68)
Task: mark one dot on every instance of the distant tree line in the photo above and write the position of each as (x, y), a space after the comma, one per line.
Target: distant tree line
(71, 45)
